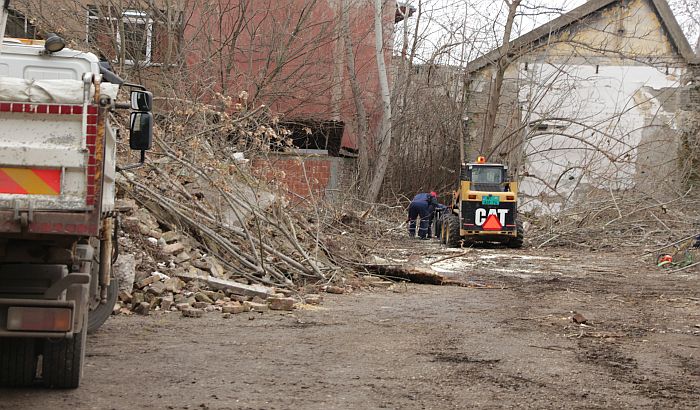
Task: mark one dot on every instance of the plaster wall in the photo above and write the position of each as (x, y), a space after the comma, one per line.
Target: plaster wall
(610, 130)
(612, 80)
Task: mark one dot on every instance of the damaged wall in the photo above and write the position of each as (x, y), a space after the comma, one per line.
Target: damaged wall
(590, 107)
(604, 128)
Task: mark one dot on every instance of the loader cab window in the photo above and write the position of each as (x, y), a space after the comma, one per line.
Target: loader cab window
(487, 179)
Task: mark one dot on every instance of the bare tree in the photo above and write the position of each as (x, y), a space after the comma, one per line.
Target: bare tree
(501, 64)
(384, 134)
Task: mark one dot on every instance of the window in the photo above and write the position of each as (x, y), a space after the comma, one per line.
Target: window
(19, 26)
(313, 136)
(130, 31)
(138, 33)
(487, 178)
(487, 175)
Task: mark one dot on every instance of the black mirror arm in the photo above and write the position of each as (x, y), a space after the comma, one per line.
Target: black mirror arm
(134, 166)
(137, 86)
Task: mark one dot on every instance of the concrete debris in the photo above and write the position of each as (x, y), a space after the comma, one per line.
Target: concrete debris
(125, 296)
(174, 285)
(173, 248)
(195, 313)
(240, 288)
(313, 299)
(157, 288)
(147, 281)
(166, 303)
(281, 304)
(162, 268)
(124, 270)
(182, 257)
(143, 308)
(234, 308)
(579, 318)
(334, 289)
(125, 205)
(170, 236)
(256, 307)
(202, 297)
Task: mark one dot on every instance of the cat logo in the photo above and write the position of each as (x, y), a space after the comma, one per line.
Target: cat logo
(482, 216)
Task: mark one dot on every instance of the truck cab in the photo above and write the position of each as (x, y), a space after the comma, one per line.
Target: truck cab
(57, 220)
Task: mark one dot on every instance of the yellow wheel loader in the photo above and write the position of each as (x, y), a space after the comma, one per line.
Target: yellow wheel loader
(484, 208)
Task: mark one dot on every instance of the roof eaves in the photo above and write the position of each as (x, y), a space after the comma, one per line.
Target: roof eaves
(664, 11)
(668, 19)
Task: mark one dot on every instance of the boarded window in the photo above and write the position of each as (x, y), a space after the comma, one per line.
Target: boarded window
(316, 135)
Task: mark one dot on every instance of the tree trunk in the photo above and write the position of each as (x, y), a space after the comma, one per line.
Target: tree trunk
(497, 85)
(362, 126)
(384, 134)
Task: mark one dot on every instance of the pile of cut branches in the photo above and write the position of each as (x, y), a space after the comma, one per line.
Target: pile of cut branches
(198, 181)
(621, 219)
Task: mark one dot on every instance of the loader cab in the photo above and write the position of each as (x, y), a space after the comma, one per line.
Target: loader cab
(483, 177)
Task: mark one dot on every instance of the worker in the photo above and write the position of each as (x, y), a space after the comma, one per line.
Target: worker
(422, 206)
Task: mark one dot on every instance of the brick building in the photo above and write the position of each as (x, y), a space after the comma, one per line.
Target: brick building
(290, 55)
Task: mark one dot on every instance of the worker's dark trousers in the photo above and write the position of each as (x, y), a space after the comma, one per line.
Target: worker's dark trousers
(415, 210)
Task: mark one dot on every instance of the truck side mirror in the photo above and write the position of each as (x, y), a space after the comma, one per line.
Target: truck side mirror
(141, 131)
(141, 101)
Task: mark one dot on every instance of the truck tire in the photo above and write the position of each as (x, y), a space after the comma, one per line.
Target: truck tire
(452, 237)
(99, 315)
(17, 362)
(517, 242)
(63, 361)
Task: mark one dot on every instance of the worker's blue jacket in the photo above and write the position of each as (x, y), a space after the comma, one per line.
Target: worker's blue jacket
(424, 200)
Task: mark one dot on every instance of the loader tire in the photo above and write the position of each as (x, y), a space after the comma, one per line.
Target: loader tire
(517, 242)
(17, 362)
(452, 237)
(99, 315)
(63, 361)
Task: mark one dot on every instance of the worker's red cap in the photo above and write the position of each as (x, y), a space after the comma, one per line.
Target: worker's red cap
(433, 194)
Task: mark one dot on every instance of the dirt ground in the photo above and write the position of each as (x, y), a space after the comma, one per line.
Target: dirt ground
(510, 345)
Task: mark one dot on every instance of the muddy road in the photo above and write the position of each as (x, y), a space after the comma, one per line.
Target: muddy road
(511, 345)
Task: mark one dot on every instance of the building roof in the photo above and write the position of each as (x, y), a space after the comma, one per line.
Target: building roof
(663, 10)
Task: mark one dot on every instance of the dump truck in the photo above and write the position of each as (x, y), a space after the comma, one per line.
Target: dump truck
(484, 208)
(57, 192)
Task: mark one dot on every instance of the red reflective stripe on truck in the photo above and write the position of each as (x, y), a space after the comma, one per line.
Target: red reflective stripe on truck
(30, 108)
(91, 143)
